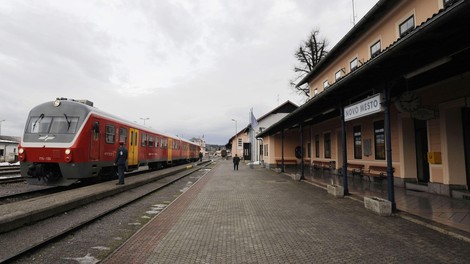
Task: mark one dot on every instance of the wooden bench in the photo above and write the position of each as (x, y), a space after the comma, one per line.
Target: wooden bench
(318, 164)
(379, 172)
(355, 169)
(286, 161)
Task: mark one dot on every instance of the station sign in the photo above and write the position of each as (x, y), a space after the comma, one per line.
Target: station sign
(363, 108)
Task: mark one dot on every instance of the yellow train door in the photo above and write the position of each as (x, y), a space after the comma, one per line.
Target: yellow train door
(170, 148)
(188, 151)
(133, 158)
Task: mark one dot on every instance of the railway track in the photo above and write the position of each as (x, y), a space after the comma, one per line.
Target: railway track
(8, 170)
(28, 194)
(106, 206)
(11, 198)
(11, 179)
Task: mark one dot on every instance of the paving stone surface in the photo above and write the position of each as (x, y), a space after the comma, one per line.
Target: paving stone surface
(259, 216)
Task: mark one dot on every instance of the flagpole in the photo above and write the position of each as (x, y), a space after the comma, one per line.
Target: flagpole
(251, 136)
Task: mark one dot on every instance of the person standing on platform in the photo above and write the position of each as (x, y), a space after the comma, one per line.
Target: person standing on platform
(200, 156)
(120, 161)
(236, 160)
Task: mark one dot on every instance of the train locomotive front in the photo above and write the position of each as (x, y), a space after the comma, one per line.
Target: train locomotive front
(56, 144)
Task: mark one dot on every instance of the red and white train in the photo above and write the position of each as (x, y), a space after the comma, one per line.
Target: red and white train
(66, 141)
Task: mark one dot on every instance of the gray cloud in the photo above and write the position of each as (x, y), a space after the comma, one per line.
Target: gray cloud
(189, 66)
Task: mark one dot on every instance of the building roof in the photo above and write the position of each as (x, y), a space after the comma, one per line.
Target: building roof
(287, 107)
(8, 139)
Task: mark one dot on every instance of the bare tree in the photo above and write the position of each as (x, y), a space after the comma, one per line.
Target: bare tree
(310, 52)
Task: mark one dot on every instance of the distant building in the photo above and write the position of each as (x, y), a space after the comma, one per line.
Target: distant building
(244, 143)
(9, 149)
(201, 142)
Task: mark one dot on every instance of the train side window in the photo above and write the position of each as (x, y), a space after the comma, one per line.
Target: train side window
(123, 134)
(151, 141)
(144, 140)
(110, 134)
(156, 142)
(96, 130)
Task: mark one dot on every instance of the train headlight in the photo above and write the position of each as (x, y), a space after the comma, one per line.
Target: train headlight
(21, 154)
(56, 103)
(68, 155)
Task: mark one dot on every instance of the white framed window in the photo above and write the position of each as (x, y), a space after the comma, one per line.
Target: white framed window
(375, 49)
(353, 64)
(407, 26)
(315, 92)
(240, 142)
(338, 75)
(325, 84)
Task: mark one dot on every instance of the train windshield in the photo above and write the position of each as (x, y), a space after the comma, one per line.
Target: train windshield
(52, 124)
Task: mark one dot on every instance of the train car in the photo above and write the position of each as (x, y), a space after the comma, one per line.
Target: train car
(66, 141)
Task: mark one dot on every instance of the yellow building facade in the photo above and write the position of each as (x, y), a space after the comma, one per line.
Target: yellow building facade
(397, 88)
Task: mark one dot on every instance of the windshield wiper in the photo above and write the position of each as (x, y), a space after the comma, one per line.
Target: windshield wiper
(68, 122)
(39, 118)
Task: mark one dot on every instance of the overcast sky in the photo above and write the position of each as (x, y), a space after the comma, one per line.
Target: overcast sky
(189, 66)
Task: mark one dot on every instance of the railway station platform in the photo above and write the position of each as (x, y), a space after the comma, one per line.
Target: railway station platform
(255, 215)
(14, 215)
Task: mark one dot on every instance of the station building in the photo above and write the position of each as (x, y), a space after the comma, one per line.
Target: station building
(9, 149)
(393, 93)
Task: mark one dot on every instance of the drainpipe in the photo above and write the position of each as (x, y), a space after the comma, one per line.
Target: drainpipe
(301, 127)
(282, 150)
(345, 152)
(388, 146)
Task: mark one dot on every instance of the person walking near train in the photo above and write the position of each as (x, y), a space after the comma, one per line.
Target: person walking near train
(120, 161)
(236, 160)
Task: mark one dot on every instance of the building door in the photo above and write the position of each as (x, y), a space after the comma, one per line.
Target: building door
(247, 151)
(466, 141)
(421, 137)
